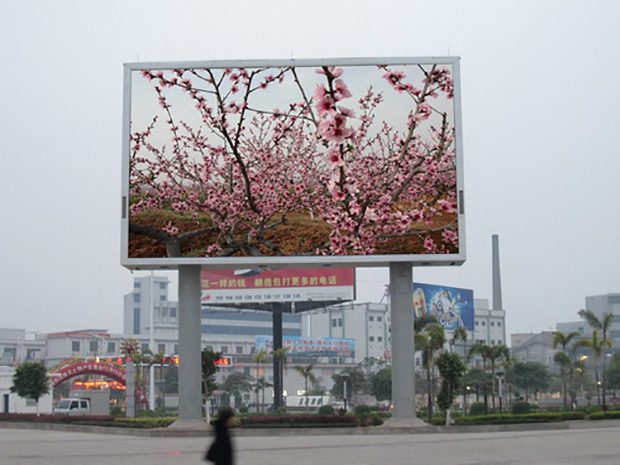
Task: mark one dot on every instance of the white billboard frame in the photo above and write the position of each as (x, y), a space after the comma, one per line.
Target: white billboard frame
(274, 262)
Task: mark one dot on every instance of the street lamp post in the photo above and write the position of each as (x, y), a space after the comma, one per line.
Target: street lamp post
(345, 376)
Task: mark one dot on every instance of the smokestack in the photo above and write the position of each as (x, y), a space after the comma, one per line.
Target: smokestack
(497, 280)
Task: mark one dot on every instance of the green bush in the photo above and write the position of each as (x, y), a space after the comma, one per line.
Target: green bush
(611, 415)
(507, 418)
(160, 422)
(477, 408)
(243, 409)
(521, 407)
(303, 421)
(281, 411)
(362, 409)
(326, 410)
(368, 419)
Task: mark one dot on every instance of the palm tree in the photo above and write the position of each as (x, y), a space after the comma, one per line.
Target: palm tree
(596, 346)
(459, 334)
(280, 355)
(495, 353)
(430, 340)
(261, 385)
(603, 325)
(566, 367)
(158, 360)
(484, 351)
(259, 358)
(306, 372)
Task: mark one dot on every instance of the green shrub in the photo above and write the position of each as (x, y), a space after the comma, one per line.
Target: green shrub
(160, 422)
(477, 408)
(521, 407)
(281, 411)
(304, 421)
(507, 418)
(368, 419)
(243, 409)
(326, 410)
(611, 415)
(362, 409)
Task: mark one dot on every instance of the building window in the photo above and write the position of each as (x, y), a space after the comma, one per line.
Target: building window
(162, 285)
(94, 347)
(136, 321)
(483, 323)
(162, 298)
(173, 315)
(111, 348)
(339, 321)
(477, 322)
(334, 322)
(492, 323)
(239, 349)
(379, 338)
(209, 348)
(371, 318)
(499, 323)
(492, 342)
(145, 346)
(75, 346)
(176, 348)
(371, 338)
(379, 319)
(31, 354)
(136, 298)
(136, 284)
(161, 348)
(224, 349)
(9, 353)
(246, 371)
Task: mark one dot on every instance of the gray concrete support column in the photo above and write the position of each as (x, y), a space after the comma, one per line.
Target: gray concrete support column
(497, 276)
(190, 395)
(403, 351)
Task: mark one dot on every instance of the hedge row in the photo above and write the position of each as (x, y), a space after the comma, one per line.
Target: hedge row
(33, 418)
(611, 415)
(507, 418)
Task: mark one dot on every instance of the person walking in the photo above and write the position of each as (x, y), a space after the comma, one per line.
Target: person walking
(221, 450)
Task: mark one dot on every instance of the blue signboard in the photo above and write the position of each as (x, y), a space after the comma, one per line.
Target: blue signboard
(453, 307)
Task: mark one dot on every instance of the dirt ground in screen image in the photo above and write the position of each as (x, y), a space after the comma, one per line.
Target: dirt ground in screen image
(300, 235)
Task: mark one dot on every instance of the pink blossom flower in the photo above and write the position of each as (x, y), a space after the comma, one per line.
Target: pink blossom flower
(335, 159)
(341, 88)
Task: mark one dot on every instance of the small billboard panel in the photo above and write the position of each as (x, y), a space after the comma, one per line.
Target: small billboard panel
(343, 162)
(300, 346)
(286, 285)
(453, 307)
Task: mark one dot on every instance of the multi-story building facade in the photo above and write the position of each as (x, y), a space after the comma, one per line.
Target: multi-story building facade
(18, 346)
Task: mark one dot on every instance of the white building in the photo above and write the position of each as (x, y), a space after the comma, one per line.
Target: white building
(533, 347)
(18, 346)
(368, 324)
(12, 403)
(489, 324)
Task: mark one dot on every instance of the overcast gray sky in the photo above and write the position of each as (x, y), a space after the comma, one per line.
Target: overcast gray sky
(541, 108)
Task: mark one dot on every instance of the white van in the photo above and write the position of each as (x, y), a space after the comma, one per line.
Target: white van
(73, 407)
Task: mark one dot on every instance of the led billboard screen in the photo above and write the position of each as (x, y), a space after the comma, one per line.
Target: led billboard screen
(453, 307)
(354, 162)
(286, 285)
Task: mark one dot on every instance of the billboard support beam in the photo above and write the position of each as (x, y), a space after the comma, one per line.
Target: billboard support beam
(403, 350)
(278, 385)
(190, 395)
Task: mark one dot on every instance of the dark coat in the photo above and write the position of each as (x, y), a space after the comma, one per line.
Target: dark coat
(221, 451)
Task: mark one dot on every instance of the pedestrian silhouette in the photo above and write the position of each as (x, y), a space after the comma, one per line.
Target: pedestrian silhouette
(221, 451)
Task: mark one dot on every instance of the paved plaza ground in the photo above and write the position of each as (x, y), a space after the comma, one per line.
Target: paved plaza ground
(586, 446)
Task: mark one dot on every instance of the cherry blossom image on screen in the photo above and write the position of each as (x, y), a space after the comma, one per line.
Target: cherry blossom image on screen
(292, 160)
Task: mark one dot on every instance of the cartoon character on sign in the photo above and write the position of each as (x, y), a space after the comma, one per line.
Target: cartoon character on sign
(445, 308)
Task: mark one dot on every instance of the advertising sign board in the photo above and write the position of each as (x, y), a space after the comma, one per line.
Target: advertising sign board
(453, 307)
(292, 163)
(285, 285)
(310, 346)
